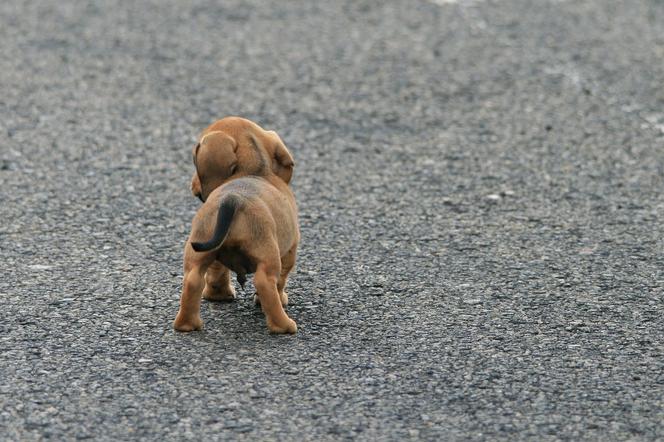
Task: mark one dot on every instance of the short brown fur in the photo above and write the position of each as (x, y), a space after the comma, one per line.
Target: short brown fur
(239, 162)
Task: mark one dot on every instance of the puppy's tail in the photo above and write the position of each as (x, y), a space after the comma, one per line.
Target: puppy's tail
(227, 208)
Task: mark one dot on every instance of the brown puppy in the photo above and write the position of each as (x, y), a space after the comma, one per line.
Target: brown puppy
(248, 222)
(214, 163)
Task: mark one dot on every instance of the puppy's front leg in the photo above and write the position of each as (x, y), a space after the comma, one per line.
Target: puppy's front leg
(218, 285)
(266, 286)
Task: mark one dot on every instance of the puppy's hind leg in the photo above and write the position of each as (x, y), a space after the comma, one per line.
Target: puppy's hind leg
(218, 285)
(189, 314)
(287, 264)
(267, 274)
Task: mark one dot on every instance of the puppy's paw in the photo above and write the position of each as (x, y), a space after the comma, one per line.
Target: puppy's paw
(187, 324)
(214, 294)
(289, 327)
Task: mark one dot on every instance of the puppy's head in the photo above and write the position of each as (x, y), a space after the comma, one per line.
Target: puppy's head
(215, 159)
(234, 147)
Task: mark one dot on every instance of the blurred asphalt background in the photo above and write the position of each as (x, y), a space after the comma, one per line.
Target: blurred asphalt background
(480, 187)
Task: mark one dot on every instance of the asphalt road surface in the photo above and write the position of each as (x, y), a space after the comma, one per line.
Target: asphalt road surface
(481, 196)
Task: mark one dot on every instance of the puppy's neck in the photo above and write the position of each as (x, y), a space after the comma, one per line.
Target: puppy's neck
(277, 182)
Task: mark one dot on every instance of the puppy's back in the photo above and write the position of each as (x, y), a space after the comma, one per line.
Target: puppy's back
(261, 211)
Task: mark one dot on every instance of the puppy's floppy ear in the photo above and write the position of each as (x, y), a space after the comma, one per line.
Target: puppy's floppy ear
(282, 160)
(215, 160)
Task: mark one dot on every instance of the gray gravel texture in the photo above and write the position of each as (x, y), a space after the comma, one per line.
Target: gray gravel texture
(480, 188)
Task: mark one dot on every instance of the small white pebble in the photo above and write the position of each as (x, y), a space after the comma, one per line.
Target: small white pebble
(40, 267)
(472, 301)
